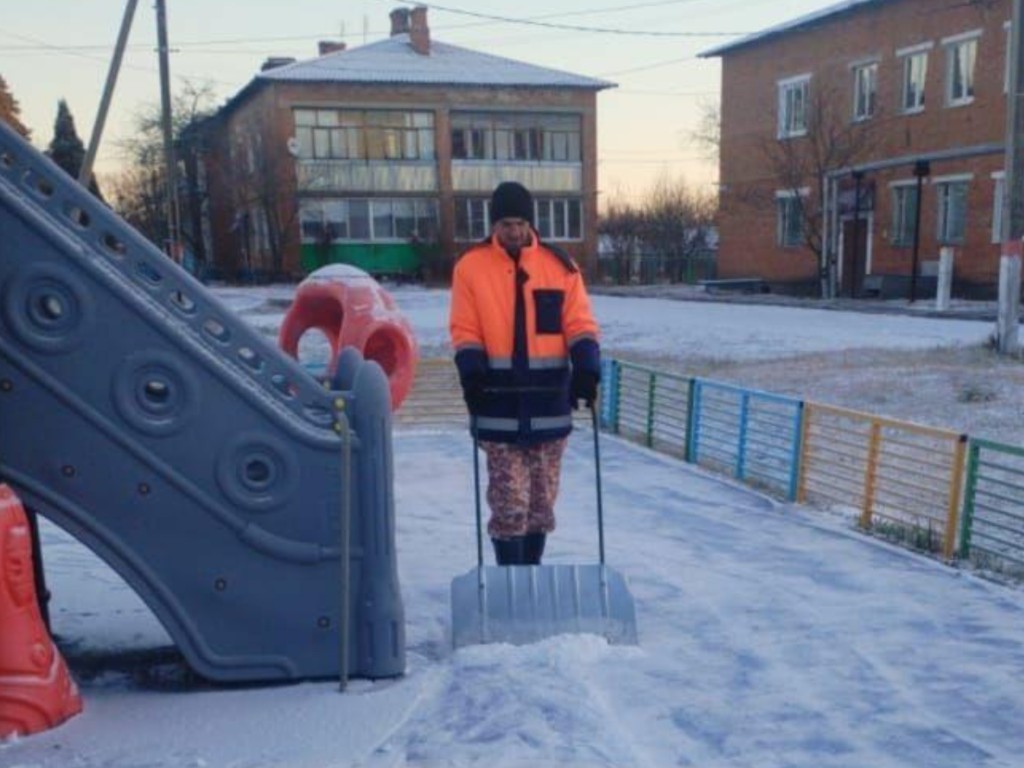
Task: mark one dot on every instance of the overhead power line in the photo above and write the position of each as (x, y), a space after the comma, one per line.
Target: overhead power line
(578, 28)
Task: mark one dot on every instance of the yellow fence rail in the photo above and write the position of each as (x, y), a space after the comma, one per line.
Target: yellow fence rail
(904, 478)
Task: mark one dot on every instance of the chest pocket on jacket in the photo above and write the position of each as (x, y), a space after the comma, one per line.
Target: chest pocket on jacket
(548, 310)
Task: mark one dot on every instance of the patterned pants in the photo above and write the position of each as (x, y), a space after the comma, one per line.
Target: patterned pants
(522, 486)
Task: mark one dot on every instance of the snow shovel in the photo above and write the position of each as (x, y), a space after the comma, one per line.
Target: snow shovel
(520, 604)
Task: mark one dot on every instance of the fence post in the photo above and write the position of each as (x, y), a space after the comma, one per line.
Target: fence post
(741, 446)
(693, 429)
(617, 401)
(970, 489)
(805, 449)
(652, 384)
(795, 461)
(955, 486)
(690, 386)
(869, 476)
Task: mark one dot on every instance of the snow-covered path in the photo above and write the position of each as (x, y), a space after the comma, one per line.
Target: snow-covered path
(771, 636)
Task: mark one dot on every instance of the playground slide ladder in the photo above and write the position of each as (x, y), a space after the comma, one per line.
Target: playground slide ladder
(198, 460)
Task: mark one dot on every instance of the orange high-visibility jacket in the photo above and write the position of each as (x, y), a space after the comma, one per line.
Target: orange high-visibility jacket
(527, 395)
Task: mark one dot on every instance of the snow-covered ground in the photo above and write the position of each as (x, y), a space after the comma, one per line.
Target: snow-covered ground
(770, 635)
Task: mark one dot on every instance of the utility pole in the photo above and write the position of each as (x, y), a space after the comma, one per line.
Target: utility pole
(170, 165)
(1013, 198)
(85, 173)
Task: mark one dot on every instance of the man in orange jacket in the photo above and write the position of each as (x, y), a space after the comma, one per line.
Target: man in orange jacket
(526, 347)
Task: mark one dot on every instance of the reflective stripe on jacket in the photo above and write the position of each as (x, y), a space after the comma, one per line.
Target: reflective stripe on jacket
(527, 390)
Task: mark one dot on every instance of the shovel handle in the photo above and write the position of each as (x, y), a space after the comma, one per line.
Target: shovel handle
(597, 472)
(476, 494)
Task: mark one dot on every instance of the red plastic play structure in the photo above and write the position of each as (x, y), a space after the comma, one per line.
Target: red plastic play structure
(36, 689)
(352, 310)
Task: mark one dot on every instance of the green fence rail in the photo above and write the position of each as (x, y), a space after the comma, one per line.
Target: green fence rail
(649, 407)
(992, 527)
(898, 475)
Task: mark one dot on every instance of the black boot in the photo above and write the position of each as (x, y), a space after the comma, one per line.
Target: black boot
(510, 551)
(533, 548)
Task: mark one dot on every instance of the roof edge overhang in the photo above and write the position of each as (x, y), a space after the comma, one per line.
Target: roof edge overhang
(826, 15)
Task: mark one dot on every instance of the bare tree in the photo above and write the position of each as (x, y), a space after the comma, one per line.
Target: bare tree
(707, 135)
(137, 189)
(800, 164)
(676, 225)
(258, 173)
(622, 225)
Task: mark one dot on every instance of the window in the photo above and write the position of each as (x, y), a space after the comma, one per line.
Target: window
(360, 219)
(793, 106)
(789, 207)
(350, 134)
(998, 200)
(865, 90)
(554, 218)
(537, 137)
(472, 218)
(558, 219)
(961, 55)
(915, 71)
(952, 196)
(904, 213)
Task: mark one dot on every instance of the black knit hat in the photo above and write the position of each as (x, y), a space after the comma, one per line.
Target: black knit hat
(511, 200)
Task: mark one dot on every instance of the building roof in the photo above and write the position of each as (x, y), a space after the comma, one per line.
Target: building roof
(826, 14)
(393, 61)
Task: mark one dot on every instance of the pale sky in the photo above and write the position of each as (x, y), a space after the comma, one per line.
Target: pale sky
(53, 49)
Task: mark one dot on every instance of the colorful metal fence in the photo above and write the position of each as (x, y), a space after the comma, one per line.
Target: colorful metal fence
(992, 531)
(755, 436)
(649, 407)
(904, 478)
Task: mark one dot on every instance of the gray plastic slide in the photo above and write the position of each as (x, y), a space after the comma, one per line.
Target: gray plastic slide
(251, 508)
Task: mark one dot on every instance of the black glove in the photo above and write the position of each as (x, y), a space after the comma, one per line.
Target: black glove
(583, 386)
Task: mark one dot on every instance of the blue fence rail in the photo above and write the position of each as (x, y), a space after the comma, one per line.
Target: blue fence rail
(763, 439)
(753, 435)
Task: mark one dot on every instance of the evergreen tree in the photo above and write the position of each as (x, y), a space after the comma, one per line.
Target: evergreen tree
(10, 111)
(66, 149)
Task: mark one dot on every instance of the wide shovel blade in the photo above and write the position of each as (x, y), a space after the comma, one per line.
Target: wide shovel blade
(520, 604)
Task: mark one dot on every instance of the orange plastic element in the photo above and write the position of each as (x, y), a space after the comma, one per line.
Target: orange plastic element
(352, 310)
(36, 689)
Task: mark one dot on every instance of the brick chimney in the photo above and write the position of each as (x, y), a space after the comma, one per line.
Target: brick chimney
(399, 21)
(419, 32)
(330, 46)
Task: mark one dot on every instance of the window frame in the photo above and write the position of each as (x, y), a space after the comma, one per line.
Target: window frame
(315, 220)
(955, 45)
(528, 137)
(904, 216)
(917, 53)
(787, 126)
(784, 204)
(950, 230)
(864, 109)
(354, 134)
(558, 213)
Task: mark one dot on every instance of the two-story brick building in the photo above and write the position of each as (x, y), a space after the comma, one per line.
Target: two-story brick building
(384, 156)
(859, 140)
